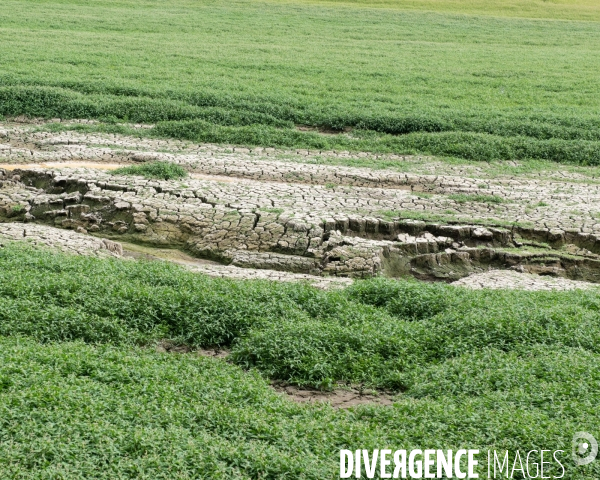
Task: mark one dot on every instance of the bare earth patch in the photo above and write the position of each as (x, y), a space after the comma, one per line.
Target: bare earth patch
(63, 240)
(167, 346)
(339, 398)
(520, 281)
(289, 216)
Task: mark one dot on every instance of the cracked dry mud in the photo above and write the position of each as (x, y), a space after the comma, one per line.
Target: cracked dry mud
(338, 398)
(264, 213)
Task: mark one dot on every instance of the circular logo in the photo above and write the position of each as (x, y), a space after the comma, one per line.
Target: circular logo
(585, 448)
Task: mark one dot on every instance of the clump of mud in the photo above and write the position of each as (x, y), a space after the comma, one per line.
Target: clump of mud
(337, 398)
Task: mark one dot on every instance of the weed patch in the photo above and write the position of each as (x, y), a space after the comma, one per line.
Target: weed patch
(495, 369)
(158, 170)
(464, 198)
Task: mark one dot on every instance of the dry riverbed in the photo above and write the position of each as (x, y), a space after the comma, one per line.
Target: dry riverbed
(301, 216)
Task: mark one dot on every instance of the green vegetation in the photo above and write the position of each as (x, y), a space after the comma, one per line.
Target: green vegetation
(371, 333)
(272, 210)
(159, 170)
(76, 411)
(500, 370)
(84, 394)
(464, 198)
(478, 88)
(556, 9)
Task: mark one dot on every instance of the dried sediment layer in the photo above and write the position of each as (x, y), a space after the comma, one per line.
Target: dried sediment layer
(24, 145)
(64, 240)
(290, 227)
(150, 212)
(554, 201)
(214, 269)
(238, 273)
(497, 279)
(253, 209)
(82, 244)
(76, 243)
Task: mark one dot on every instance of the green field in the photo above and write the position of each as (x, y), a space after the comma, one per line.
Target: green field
(84, 391)
(547, 9)
(83, 394)
(398, 77)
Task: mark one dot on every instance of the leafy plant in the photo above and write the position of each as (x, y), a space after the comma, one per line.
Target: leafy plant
(516, 367)
(158, 170)
(464, 198)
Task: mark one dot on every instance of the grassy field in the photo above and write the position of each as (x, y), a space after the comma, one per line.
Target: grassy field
(547, 9)
(404, 79)
(83, 394)
(159, 170)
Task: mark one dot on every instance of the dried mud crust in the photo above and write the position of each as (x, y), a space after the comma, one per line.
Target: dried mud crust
(339, 398)
(521, 281)
(214, 269)
(252, 212)
(22, 143)
(167, 346)
(76, 243)
(27, 142)
(63, 240)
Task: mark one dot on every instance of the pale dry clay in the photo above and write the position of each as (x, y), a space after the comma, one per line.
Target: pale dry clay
(248, 210)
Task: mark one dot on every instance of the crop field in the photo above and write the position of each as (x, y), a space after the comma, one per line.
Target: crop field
(238, 237)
